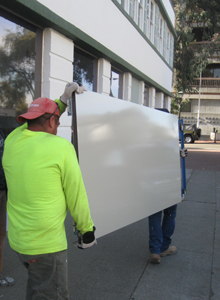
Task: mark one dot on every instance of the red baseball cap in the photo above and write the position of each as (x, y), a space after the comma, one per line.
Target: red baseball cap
(39, 107)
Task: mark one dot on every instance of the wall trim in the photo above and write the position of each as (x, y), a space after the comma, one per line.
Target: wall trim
(41, 17)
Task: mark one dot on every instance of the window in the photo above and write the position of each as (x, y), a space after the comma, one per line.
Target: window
(156, 28)
(146, 96)
(164, 39)
(131, 8)
(186, 106)
(140, 13)
(17, 78)
(168, 47)
(212, 71)
(146, 18)
(121, 2)
(161, 36)
(116, 87)
(171, 50)
(114, 84)
(151, 20)
(135, 91)
(85, 69)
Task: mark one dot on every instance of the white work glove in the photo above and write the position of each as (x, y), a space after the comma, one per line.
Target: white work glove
(69, 89)
(87, 239)
(183, 152)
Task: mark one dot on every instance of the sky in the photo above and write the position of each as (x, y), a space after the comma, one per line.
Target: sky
(5, 24)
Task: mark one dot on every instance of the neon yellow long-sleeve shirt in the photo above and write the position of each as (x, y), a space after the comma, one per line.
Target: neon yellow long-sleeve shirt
(44, 180)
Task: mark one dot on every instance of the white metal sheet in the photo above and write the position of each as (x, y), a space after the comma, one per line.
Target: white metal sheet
(129, 158)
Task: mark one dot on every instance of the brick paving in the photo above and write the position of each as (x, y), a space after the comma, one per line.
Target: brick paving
(204, 159)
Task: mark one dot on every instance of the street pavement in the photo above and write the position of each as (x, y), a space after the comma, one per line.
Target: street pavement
(117, 268)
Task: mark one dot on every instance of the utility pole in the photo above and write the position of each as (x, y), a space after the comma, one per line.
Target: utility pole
(200, 83)
(180, 94)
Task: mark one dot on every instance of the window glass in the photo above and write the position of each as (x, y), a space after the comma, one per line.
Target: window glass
(186, 106)
(164, 39)
(168, 45)
(135, 91)
(156, 29)
(17, 65)
(151, 20)
(121, 2)
(114, 92)
(171, 50)
(140, 13)
(84, 67)
(146, 18)
(212, 71)
(146, 96)
(131, 8)
(161, 36)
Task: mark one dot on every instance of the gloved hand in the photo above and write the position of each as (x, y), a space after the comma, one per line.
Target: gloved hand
(69, 89)
(87, 239)
(183, 152)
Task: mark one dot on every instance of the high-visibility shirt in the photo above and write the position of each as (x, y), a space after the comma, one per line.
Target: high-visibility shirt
(44, 180)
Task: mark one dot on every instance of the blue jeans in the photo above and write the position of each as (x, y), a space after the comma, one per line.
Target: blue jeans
(161, 230)
(47, 276)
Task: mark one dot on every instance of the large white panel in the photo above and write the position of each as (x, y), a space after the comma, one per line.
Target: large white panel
(129, 157)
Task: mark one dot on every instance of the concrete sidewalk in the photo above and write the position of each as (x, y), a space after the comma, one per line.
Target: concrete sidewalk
(118, 269)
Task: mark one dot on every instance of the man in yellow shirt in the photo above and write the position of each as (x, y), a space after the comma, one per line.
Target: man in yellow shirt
(44, 180)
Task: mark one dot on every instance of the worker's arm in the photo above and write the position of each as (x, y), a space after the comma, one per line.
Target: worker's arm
(67, 94)
(76, 198)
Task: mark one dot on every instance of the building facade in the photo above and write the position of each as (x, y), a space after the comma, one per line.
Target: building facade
(203, 107)
(121, 48)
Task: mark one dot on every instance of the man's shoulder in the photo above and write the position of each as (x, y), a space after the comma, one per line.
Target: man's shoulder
(59, 141)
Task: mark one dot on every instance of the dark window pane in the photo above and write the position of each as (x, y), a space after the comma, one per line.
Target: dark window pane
(17, 69)
(114, 84)
(83, 69)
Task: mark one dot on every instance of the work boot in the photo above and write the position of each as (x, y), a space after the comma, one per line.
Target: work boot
(6, 281)
(171, 250)
(154, 258)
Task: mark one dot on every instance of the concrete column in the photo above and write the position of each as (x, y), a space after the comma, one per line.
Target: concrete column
(159, 102)
(127, 84)
(57, 67)
(167, 103)
(104, 76)
(152, 97)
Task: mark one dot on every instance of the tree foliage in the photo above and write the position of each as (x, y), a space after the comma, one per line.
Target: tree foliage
(196, 20)
(17, 68)
(83, 68)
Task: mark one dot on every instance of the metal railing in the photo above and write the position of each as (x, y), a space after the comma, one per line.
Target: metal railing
(207, 82)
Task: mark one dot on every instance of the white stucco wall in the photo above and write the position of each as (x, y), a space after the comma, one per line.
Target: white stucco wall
(105, 23)
(170, 10)
(57, 63)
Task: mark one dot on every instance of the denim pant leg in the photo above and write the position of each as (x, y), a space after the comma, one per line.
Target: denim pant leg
(155, 233)
(168, 226)
(47, 276)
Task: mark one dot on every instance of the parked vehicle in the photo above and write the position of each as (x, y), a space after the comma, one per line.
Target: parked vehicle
(191, 133)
